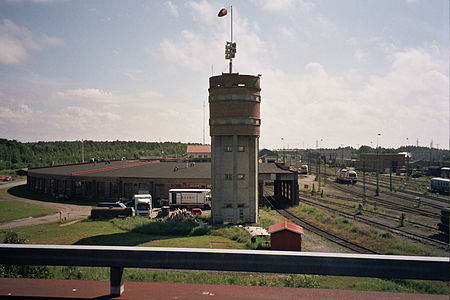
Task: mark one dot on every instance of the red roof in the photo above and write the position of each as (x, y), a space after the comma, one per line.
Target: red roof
(285, 226)
(199, 149)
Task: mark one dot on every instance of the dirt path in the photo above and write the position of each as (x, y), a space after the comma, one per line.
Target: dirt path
(65, 212)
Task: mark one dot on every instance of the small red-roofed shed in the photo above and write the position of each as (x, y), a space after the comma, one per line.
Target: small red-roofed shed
(286, 236)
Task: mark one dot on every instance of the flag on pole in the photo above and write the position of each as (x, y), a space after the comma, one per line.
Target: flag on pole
(222, 12)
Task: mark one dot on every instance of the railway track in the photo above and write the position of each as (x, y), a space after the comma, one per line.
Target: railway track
(350, 207)
(370, 180)
(389, 204)
(427, 200)
(395, 230)
(329, 236)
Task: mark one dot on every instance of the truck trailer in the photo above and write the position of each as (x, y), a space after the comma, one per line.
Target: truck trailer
(190, 198)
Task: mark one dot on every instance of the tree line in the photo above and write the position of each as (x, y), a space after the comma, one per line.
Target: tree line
(16, 155)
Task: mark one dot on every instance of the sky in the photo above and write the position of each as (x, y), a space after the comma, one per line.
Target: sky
(348, 72)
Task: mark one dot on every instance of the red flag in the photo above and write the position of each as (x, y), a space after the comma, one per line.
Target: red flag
(222, 12)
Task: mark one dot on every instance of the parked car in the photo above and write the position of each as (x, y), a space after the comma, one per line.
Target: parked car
(111, 204)
(5, 178)
(196, 211)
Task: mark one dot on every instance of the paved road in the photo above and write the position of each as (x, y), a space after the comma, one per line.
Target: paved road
(66, 212)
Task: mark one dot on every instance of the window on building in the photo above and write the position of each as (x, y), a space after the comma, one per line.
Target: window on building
(228, 205)
(228, 149)
(241, 149)
(241, 176)
(228, 176)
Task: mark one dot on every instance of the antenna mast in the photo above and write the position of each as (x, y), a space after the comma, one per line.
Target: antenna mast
(230, 47)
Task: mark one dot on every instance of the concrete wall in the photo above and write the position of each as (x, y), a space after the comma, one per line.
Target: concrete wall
(235, 178)
(234, 103)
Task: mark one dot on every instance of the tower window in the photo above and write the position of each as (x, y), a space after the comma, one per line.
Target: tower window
(241, 149)
(228, 149)
(241, 176)
(228, 176)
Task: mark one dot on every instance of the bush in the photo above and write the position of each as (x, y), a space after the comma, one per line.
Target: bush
(21, 271)
(178, 226)
(300, 281)
(200, 230)
(167, 227)
(234, 233)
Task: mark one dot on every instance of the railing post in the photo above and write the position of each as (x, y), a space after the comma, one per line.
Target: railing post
(116, 278)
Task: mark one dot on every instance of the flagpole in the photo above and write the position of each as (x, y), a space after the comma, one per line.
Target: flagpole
(231, 25)
(231, 33)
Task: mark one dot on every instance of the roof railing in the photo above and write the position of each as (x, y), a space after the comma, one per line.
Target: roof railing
(118, 257)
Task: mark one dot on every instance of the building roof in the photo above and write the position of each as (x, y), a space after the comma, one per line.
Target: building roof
(266, 152)
(198, 149)
(142, 169)
(272, 168)
(135, 169)
(285, 226)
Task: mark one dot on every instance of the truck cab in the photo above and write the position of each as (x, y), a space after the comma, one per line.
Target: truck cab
(143, 204)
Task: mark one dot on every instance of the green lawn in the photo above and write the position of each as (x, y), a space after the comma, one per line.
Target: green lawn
(18, 210)
(106, 233)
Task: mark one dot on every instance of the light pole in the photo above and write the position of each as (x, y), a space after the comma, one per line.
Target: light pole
(320, 158)
(82, 150)
(284, 158)
(377, 191)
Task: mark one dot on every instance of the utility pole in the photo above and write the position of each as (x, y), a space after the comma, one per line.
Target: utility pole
(377, 191)
(390, 175)
(320, 158)
(82, 150)
(364, 179)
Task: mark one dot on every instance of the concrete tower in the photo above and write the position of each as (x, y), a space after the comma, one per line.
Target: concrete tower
(234, 103)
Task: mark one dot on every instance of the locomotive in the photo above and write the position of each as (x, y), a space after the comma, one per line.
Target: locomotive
(346, 176)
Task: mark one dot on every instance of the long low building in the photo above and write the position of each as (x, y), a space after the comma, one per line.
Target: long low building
(114, 180)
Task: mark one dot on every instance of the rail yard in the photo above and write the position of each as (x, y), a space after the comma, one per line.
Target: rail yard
(402, 212)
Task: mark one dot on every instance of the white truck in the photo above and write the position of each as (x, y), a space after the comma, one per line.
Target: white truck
(190, 198)
(143, 204)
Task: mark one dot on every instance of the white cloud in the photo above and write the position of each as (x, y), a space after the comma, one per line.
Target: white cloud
(133, 74)
(192, 51)
(205, 11)
(148, 94)
(96, 95)
(10, 116)
(410, 98)
(360, 55)
(16, 41)
(275, 5)
(287, 32)
(172, 8)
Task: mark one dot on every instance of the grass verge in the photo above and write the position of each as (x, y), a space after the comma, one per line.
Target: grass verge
(18, 210)
(359, 233)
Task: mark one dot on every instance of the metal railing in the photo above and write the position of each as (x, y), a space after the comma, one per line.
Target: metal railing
(117, 258)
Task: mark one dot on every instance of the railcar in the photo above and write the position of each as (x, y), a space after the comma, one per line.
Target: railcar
(346, 176)
(439, 185)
